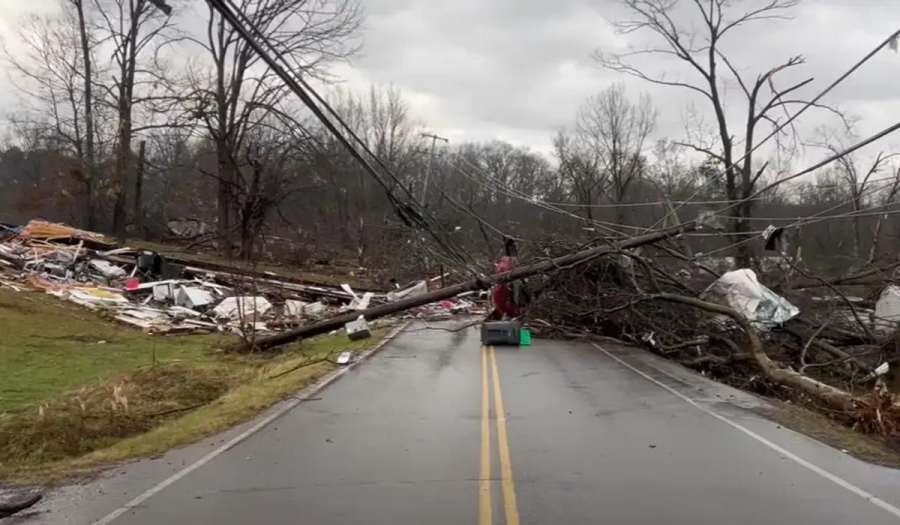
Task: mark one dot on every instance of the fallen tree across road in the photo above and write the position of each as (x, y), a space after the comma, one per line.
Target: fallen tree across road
(566, 261)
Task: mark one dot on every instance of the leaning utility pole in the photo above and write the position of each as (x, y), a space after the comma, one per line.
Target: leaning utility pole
(434, 138)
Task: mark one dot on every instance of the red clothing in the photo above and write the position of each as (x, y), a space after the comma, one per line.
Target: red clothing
(501, 294)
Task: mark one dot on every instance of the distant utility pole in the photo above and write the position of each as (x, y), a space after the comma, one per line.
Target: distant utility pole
(434, 138)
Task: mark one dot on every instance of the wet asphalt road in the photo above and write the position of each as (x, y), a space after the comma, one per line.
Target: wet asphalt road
(413, 437)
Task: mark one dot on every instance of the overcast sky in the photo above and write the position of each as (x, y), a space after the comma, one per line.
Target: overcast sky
(517, 70)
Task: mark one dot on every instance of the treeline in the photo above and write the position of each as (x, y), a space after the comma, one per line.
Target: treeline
(117, 132)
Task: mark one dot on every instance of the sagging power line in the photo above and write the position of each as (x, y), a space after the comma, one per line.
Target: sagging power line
(410, 211)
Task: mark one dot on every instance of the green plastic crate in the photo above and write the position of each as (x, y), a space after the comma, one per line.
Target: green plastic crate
(524, 337)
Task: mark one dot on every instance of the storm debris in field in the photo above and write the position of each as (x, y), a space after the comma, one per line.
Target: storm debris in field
(143, 289)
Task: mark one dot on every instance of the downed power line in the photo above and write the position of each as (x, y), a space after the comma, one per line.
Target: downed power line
(522, 272)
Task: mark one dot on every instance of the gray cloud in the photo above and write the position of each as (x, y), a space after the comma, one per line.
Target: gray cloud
(518, 69)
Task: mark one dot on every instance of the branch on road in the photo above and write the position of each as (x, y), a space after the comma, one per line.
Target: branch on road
(833, 397)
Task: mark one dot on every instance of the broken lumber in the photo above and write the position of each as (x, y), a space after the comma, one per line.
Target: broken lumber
(483, 283)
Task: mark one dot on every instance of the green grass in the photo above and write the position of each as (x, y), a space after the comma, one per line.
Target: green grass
(49, 346)
(63, 398)
(257, 389)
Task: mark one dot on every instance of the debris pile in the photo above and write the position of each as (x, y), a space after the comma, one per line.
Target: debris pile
(144, 289)
(822, 342)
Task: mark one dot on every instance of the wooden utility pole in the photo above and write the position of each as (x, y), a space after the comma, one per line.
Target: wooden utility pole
(434, 138)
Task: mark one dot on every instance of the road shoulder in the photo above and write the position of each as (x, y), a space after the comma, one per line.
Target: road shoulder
(95, 498)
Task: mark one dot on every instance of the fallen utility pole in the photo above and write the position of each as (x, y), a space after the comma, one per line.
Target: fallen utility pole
(522, 272)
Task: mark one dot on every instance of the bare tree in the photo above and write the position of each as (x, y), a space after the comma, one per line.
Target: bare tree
(888, 197)
(89, 159)
(134, 30)
(615, 131)
(236, 93)
(580, 169)
(858, 179)
(698, 47)
(273, 159)
(51, 78)
(382, 121)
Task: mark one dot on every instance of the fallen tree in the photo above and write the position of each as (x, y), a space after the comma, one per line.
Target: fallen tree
(656, 303)
(568, 261)
(832, 396)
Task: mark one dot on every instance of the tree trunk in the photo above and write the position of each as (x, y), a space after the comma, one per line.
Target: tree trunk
(120, 170)
(833, 397)
(138, 192)
(88, 168)
(744, 252)
(128, 70)
(857, 228)
(223, 200)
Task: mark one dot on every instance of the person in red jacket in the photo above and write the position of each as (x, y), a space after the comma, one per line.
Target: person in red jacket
(504, 296)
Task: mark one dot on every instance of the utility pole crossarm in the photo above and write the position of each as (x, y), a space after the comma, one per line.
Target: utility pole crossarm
(162, 6)
(434, 138)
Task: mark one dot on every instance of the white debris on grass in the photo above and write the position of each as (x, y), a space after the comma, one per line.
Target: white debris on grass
(315, 310)
(294, 308)
(108, 269)
(162, 291)
(95, 297)
(357, 302)
(358, 329)
(190, 297)
(238, 306)
(420, 288)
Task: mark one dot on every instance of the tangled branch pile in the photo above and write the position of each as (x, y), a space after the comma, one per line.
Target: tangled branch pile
(832, 357)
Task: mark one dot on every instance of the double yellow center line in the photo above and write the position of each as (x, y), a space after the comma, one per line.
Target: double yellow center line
(506, 480)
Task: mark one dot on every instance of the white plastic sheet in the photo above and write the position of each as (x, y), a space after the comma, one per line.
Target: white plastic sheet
(741, 291)
(887, 309)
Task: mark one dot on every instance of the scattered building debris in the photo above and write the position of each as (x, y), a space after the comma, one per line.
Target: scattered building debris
(146, 290)
(194, 298)
(315, 310)
(358, 329)
(38, 230)
(419, 288)
(295, 308)
(242, 306)
(188, 227)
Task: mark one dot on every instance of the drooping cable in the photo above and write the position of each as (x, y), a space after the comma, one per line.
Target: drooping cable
(886, 42)
(411, 212)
